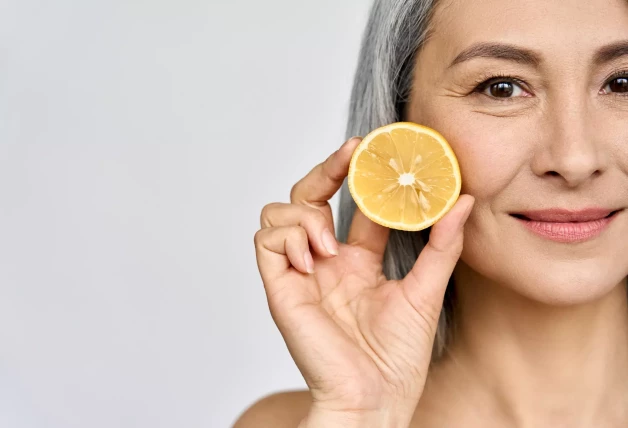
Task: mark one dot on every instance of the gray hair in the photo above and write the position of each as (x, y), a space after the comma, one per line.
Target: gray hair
(395, 31)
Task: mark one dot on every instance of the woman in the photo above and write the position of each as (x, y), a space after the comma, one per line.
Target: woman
(529, 327)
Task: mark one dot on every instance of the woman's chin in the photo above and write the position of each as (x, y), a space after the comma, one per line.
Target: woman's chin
(548, 272)
(550, 282)
(569, 285)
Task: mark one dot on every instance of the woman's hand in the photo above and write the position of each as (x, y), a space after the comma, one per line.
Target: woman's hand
(362, 343)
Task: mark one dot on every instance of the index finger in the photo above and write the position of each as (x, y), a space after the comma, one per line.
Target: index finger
(322, 182)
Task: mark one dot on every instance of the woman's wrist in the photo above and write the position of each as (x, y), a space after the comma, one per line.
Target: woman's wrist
(382, 418)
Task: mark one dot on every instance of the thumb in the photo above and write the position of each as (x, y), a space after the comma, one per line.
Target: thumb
(426, 283)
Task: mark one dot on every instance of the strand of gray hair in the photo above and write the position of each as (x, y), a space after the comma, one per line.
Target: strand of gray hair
(395, 31)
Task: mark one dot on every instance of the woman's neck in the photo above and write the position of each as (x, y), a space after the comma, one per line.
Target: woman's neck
(533, 365)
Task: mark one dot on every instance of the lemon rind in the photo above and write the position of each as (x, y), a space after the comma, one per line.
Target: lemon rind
(411, 227)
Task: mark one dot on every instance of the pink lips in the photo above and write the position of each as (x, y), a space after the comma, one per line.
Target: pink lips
(567, 226)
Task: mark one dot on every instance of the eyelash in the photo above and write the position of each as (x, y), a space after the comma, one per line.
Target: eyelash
(487, 80)
(619, 74)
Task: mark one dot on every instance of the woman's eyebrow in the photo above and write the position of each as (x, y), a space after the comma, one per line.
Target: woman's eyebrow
(528, 57)
(611, 52)
(500, 51)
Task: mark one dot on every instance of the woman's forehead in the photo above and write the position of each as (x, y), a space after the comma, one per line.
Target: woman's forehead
(536, 24)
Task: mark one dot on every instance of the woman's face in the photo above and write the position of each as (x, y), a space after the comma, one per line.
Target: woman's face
(533, 98)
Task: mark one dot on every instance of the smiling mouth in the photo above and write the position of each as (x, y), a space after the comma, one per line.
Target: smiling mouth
(564, 218)
(566, 226)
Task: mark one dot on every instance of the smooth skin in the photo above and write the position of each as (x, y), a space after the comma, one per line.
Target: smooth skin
(542, 327)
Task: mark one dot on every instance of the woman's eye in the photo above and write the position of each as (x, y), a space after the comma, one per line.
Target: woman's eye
(617, 85)
(503, 89)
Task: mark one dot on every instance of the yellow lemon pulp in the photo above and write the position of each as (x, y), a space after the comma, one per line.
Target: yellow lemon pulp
(404, 176)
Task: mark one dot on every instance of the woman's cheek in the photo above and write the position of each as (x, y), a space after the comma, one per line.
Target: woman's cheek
(491, 154)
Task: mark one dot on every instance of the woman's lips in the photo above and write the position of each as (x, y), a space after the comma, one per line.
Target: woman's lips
(567, 226)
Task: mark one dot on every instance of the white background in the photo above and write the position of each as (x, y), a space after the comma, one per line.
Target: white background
(139, 141)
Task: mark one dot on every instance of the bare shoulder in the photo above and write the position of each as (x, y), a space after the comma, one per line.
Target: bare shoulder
(281, 410)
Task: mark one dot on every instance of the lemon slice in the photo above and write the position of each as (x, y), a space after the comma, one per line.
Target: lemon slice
(404, 176)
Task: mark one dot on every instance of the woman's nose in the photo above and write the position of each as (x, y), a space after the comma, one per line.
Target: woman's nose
(570, 151)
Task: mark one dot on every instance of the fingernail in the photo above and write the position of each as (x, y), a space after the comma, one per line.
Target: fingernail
(329, 242)
(465, 216)
(348, 142)
(309, 262)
